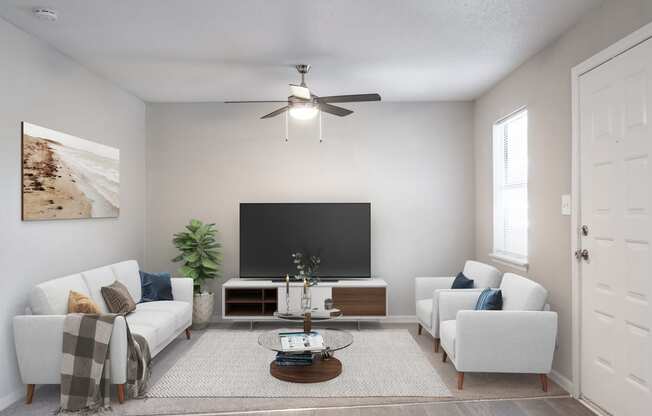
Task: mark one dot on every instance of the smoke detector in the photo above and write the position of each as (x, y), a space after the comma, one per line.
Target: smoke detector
(45, 13)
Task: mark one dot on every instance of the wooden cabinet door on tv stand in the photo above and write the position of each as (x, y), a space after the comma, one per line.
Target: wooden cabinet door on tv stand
(360, 301)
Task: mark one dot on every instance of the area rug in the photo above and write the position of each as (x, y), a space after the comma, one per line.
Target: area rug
(230, 363)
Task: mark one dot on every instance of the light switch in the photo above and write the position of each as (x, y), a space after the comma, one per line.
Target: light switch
(566, 204)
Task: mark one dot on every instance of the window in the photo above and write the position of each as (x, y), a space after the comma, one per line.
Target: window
(510, 189)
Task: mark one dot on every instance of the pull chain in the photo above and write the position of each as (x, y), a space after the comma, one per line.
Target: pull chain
(321, 138)
(286, 127)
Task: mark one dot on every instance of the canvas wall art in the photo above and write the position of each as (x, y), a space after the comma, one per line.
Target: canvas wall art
(66, 177)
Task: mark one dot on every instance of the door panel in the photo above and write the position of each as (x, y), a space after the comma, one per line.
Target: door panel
(616, 287)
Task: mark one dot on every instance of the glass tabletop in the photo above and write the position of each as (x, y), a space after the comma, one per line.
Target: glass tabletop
(315, 314)
(334, 339)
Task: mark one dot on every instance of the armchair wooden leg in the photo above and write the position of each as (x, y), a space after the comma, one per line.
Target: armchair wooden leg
(121, 393)
(444, 356)
(420, 328)
(29, 396)
(435, 344)
(544, 382)
(188, 333)
(460, 381)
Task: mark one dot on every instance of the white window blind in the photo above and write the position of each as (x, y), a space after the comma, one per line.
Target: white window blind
(510, 188)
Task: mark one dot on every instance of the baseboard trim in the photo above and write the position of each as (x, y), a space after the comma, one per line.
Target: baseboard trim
(11, 398)
(563, 382)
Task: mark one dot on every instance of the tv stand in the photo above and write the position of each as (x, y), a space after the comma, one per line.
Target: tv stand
(257, 300)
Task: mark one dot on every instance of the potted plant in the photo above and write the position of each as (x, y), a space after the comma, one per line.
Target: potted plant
(201, 259)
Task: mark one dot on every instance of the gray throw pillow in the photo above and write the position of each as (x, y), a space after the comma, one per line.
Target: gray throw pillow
(118, 299)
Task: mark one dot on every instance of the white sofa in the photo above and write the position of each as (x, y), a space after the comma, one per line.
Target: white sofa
(427, 293)
(38, 335)
(518, 339)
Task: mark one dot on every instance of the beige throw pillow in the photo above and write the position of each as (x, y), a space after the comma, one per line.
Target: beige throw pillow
(118, 299)
(80, 303)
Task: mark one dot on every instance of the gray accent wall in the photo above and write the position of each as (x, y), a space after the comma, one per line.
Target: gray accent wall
(44, 87)
(412, 161)
(543, 84)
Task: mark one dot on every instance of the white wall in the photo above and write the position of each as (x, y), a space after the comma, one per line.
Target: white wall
(412, 161)
(39, 85)
(543, 83)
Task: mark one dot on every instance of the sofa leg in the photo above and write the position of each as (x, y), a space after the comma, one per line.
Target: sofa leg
(121, 393)
(444, 356)
(188, 333)
(460, 381)
(435, 344)
(29, 396)
(544, 382)
(420, 328)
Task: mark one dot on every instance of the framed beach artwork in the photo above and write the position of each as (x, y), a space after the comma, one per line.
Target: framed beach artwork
(65, 177)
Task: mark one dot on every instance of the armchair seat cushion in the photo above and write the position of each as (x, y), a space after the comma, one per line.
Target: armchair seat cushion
(424, 312)
(447, 332)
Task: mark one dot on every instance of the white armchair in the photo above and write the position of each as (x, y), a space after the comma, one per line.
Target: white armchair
(518, 339)
(427, 298)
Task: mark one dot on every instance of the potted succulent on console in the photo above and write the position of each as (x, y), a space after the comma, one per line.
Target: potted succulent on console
(201, 261)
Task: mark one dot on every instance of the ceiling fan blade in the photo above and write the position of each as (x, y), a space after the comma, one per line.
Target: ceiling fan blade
(332, 109)
(247, 102)
(348, 98)
(276, 112)
(300, 91)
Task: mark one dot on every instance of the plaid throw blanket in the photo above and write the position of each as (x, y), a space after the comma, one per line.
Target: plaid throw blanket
(86, 367)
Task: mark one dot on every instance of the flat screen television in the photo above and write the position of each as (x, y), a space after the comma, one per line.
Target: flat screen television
(339, 233)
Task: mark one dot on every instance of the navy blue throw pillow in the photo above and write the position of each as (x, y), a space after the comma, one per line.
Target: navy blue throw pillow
(490, 300)
(155, 286)
(462, 282)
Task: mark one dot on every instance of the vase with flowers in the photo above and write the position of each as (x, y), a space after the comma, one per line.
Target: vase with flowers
(307, 266)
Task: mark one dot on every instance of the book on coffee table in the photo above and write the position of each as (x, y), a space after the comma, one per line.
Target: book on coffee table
(301, 341)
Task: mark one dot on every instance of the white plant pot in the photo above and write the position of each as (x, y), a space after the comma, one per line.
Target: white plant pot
(203, 305)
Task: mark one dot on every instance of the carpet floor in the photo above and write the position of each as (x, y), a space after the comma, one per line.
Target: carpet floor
(479, 386)
(227, 363)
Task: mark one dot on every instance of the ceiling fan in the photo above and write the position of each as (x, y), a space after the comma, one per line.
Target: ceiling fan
(302, 104)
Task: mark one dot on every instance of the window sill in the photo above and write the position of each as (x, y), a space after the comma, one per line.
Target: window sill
(510, 261)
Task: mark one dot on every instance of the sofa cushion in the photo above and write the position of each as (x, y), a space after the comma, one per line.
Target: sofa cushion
(95, 279)
(182, 311)
(81, 303)
(489, 300)
(117, 298)
(156, 286)
(521, 294)
(163, 322)
(447, 332)
(126, 272)
(462, 282)
(424, 312)
(51, 297)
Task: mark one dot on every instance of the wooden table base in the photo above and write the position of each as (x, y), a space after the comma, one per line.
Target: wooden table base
(320, 370)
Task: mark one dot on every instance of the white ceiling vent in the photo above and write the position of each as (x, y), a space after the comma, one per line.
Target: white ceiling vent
(45, 13)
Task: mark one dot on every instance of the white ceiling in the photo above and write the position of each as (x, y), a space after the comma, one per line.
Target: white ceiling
(212, 50)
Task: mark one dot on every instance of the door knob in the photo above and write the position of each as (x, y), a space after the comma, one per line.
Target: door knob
(582, 254)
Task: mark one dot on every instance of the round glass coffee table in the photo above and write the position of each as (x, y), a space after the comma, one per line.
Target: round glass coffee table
(324, 367)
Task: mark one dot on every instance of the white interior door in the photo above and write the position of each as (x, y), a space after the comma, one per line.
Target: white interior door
(615, 147)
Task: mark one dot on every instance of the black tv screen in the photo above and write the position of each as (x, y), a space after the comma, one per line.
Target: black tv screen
(340, 234)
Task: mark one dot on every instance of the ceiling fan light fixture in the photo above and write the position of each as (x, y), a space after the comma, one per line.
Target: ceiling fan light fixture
(303, 111)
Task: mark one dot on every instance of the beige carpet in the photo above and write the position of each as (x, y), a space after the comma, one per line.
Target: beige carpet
(226, 363)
